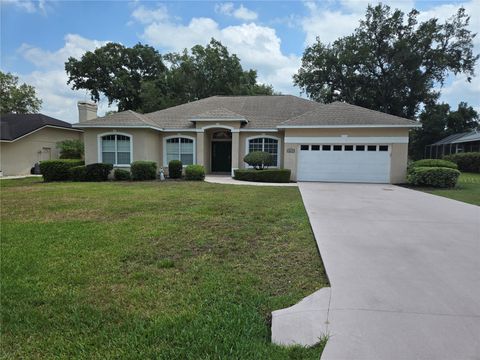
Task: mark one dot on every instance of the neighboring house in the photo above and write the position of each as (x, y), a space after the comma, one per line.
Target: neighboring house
(27, 139)
(456, 143)
(333, 142)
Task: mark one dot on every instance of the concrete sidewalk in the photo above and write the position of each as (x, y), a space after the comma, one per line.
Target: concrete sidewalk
(228, 180)
(404, 268)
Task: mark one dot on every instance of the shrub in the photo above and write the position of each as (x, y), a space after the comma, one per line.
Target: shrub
(58, 170)
(175, 169)
(97, 172)
(144, 170)
(469, 161)
(121, 175)
(433, 163)
(440, 177)
(71, 149)
(266, 175)
(259, 159)
(78, 173)
(195, 172)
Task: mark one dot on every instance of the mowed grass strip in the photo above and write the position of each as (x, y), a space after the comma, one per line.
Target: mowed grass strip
(151, 270)
(467, 189)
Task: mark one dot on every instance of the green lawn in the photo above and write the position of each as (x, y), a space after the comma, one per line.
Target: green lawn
(172, 270)
(467, 189)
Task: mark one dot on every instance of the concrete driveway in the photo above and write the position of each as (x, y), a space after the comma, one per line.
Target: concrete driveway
(404, 268)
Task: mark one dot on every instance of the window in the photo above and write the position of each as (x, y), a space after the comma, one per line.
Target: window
(348, 147)
(337, 147)
(180, 148)
(315, 147)
(360, 148)
(326, 147)
(116, 149)
(383, 148)
(269, 145)
(372, 147)
(304, 147)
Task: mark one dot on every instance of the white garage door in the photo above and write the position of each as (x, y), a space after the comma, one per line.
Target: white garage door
(344, 163)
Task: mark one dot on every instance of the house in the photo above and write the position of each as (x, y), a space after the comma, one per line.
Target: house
(318, 142)
(453, 144)
(26, 139)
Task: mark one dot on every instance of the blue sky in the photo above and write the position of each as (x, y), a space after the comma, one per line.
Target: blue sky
(37, 37)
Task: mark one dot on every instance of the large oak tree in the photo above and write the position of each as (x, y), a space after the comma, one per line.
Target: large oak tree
(15, 98)
(391, 63)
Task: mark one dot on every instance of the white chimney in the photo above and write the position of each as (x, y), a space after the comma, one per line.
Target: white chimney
(86, 111)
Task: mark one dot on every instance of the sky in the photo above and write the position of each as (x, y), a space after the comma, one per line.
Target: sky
(37, 37)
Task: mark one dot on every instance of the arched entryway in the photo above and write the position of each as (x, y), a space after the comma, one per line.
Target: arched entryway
(221, 151)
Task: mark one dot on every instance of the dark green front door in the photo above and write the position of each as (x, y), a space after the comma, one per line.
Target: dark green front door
(221, 156)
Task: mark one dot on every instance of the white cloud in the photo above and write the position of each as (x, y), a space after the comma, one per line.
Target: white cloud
(50, 78)
(29, 6)
(146, 16)
(241, 13)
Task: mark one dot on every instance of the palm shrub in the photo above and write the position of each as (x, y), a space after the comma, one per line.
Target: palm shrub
(259, 159)
(175, 169)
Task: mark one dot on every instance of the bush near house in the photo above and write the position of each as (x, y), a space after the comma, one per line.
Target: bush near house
(175, 169)
(97, 172)
(468, 162)
(433, 163)
(71, 149)
(195, 172)
(144, 170)
(58, 170)
(266, 175)
(259, 159)
(121, 175)
(439, 177)
(78, 173)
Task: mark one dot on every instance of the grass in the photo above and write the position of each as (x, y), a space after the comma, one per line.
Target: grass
(151, 270)
(467, 189)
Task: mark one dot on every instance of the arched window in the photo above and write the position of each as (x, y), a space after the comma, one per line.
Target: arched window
(180, 148)
(116, 149)
(266, 144)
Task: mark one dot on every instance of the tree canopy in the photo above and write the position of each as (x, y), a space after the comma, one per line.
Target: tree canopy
(439, 121)
(141, 79)
(14, 98)
(390, 63)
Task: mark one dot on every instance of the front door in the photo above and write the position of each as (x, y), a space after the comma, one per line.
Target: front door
(221, 156)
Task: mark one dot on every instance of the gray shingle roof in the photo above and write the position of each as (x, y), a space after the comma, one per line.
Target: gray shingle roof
(339, 113)
(13, 126)
(459, 138)
(257, 112)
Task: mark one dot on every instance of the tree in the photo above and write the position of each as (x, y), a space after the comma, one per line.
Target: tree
(438, 122)
(117, 72)
(71, 149)
(18, 99)
(389, 63)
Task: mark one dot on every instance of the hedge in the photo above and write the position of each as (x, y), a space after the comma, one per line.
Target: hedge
(78, 173)
(121, 175)
(58, 170)
(195, 172)
(175, 169)
(266, 175)
(433, 163)
(144, 170)
(440, 177)
(97, 172)
(469, 161)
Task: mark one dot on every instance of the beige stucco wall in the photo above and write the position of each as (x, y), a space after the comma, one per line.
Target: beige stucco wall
(243, 148)
(18, 157)
(399, 152)
(146, 144)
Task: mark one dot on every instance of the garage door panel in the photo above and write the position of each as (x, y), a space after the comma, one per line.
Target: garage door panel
(344, 166)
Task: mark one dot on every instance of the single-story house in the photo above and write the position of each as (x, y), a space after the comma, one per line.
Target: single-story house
(26, 139)
(318, 142)
(453, 144)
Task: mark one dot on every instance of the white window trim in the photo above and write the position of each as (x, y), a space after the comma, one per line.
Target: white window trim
(165, 163)
(279, 150)
(99, 147)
